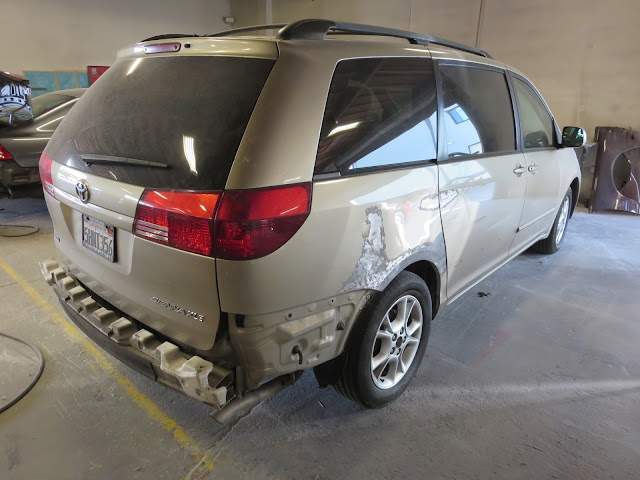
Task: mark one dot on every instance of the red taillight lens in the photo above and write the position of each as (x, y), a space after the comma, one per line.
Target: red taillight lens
(248, 223)
(254, 223)
(5, 154)
(45, 174)
(179, 219)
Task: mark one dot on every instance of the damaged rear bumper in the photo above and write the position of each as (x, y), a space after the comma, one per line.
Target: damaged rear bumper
(139, 348)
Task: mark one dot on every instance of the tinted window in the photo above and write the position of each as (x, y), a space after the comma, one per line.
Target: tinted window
(380, 111)
(478, 116)
(537, 125)
(188, 113)
(46, 102)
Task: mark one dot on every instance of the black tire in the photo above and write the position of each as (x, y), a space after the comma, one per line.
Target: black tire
(549, 245)
(355, 380)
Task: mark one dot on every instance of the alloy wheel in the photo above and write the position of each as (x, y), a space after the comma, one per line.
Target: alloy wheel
(397, 341)
(562, 220)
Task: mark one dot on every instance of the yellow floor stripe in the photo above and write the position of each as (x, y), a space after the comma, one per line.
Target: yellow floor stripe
(139, 398)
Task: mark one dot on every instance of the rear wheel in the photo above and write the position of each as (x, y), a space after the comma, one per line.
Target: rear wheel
(553, 242)
(388, 343)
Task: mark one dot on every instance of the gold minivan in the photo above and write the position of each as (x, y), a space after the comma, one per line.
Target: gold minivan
(231, 210)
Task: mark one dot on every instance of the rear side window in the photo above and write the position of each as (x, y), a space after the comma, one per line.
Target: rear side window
(537, 125)
(186, 114)
(478, 115)
(380, 112)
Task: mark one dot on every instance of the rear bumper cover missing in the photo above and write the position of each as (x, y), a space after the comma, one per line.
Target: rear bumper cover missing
(137, 347)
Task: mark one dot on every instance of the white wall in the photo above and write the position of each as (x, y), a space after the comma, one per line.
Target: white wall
(583, 55)
(71, 34)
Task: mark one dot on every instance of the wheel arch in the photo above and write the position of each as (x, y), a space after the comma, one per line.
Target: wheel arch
(575, 191)
(327, 373)
(431, 276)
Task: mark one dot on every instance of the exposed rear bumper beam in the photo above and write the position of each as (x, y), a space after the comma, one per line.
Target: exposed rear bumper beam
(132, 344)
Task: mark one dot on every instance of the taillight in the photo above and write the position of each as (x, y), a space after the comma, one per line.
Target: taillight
(5, 154)
(45, 174)
(248, 223)
(254, 223)
(179, 219)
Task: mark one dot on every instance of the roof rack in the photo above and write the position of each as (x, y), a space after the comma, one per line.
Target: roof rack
(316, 29)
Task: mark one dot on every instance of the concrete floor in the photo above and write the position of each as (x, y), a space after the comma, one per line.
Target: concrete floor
(539, 379)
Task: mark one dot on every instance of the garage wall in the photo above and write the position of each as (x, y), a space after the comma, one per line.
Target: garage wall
(581, 54)
(71, 34)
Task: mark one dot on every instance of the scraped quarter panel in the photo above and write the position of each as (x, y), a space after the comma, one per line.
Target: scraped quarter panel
(361, 232)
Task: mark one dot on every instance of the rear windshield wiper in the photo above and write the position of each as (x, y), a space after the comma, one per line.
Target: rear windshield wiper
(89, 159)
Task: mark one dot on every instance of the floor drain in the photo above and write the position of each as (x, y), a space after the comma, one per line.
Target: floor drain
(17, 230)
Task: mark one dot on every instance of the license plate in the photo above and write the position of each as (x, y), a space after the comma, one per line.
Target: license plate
(99, 238)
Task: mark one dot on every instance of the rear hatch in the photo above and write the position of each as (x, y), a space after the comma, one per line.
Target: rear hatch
(150, 126)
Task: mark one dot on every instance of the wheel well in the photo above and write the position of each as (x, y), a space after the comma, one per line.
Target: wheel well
(429, 273)
(575, 191)
(328, 373)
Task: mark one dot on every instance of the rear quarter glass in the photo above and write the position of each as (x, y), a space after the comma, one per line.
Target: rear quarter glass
(186, 112)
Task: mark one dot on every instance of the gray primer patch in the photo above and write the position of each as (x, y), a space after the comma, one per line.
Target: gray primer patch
(374, 270)
(372, 264)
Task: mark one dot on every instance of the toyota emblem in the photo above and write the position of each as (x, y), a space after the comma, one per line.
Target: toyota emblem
(82, 190)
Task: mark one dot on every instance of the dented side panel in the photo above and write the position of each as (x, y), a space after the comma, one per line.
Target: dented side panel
(361, 232)
(282, 342)
(295, 308)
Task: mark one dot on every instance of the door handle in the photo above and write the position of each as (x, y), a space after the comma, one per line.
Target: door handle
(519, 170)
(533, 168)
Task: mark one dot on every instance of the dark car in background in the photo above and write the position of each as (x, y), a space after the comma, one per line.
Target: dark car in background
(22, 141)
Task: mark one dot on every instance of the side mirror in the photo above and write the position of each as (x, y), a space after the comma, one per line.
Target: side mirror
(573, 137)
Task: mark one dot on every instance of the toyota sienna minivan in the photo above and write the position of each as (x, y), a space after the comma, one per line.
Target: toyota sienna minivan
(230, 210)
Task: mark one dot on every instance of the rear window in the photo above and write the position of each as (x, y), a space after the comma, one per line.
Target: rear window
(380, 112)
(185, 114)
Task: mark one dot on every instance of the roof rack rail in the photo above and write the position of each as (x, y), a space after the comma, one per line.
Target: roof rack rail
(253, 28)
(317, 29)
